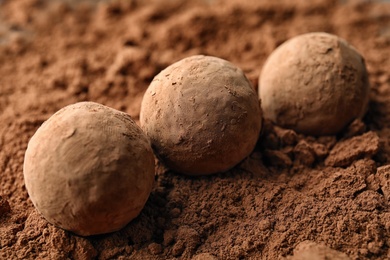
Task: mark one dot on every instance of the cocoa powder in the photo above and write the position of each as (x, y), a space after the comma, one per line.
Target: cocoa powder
(294, 194)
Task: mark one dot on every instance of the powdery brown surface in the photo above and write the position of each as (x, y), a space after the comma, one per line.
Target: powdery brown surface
(332, 191)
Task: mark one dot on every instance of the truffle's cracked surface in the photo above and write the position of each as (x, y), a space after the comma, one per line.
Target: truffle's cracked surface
(315, 84)
(89, 169)
(202, 115)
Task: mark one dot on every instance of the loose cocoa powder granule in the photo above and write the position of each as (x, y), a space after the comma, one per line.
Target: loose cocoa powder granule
(332, 190)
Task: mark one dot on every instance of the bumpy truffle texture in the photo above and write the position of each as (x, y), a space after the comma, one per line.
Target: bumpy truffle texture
(89, 169)
(315, 84)
(202, 115)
